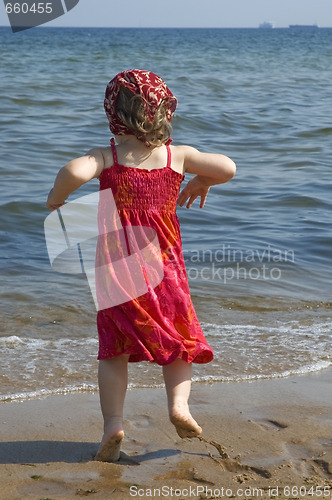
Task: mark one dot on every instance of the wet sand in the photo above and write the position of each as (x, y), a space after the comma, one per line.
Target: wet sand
(263, 439)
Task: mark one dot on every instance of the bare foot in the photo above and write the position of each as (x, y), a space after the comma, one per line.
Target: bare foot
(109, 449)
(185, 425)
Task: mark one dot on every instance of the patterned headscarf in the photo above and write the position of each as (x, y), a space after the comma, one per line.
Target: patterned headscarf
(149, 86)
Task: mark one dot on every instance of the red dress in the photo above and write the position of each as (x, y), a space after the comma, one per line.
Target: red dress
(160, 325)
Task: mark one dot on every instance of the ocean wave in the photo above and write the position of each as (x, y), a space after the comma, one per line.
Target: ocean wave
(42, 393)
(302, 370)
(209, 379)
(37, 344)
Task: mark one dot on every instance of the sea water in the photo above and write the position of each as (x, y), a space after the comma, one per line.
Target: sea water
(258, 255)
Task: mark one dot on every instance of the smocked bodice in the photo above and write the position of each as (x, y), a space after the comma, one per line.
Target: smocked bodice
(139, 189)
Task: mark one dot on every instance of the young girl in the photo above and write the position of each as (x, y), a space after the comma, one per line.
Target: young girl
(145, 173)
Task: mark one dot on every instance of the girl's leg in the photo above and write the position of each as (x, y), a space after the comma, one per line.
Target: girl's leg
(177, 376)
(113, 379)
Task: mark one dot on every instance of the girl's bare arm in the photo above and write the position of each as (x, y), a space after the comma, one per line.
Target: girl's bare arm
(216, 167)
(210, 169)
(73, 175)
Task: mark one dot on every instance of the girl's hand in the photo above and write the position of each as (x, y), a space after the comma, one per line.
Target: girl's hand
(50, 202)
(196, 187)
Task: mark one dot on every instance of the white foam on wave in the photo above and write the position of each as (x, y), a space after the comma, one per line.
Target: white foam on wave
(73, 389)
(42, 393)
(303, 370)
(210, 379)
(11, 342)
(291, 335)
(243, 352)
(14, 341)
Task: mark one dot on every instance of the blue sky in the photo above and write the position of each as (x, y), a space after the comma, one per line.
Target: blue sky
(193, 13)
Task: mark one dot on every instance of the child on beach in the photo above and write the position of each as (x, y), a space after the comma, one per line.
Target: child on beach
(144, 173)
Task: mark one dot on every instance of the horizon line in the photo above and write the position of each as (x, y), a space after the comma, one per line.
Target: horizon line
(170, 27)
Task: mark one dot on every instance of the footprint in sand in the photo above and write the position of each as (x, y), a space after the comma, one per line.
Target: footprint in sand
(305, 463)
(268, 424)
(141, 422)
(232, 464)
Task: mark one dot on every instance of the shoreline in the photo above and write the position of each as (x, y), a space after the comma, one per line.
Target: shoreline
(266, 435)
(205, 381)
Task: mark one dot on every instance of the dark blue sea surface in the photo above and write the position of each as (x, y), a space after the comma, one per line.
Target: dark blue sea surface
(258, 255)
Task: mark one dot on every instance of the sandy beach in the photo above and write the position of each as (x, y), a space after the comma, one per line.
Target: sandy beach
(262, 439)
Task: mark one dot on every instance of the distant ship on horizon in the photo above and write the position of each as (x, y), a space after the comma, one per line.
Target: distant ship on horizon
(304, 26)
(267, 25)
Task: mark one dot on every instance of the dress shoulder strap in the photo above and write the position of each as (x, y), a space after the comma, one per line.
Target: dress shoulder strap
(169, 156)
(115, 156)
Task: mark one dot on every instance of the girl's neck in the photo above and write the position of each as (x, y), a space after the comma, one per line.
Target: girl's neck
(133, 152)
(131, 142)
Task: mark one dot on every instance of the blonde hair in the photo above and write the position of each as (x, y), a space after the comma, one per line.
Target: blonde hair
(130, 109)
